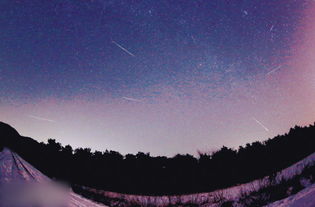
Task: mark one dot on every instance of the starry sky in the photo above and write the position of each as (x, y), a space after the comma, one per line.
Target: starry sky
(158, 76)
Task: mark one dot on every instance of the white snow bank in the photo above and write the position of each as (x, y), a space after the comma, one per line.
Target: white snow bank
(22, 185)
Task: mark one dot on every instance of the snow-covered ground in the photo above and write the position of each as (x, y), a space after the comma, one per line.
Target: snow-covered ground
(215, 198)
(22, 185)
(304, 198)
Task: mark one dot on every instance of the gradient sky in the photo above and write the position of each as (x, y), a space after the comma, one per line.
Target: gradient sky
(158, 76)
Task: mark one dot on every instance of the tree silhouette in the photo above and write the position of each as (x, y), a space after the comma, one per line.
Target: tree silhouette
(144, 174)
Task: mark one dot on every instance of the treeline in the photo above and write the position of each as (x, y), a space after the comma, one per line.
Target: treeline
(144, 174)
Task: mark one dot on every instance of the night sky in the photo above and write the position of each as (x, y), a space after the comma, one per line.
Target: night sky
(159, 76)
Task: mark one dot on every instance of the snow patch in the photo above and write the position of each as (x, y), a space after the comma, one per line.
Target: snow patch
(22, 185)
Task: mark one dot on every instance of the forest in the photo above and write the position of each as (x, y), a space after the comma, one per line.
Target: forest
(144, 174)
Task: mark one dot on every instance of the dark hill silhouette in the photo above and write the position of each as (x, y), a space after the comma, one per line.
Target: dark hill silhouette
(11, 138)
(6, 129)
(144, 174)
